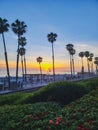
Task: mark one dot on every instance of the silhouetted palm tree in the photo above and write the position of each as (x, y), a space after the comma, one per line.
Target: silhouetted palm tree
(22, 52)
(22, 42)
(52, 38)
(4, 28)
(87, 56)
(19, 28)
(72, 52)
(81, 54)
(69, 47)
(96, 63)
(39, 60)
(91, 55)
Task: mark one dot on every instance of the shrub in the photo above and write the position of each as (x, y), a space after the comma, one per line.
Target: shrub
(61, 92)
(11, 99)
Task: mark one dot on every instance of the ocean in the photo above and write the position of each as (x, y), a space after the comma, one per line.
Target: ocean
(3, 72)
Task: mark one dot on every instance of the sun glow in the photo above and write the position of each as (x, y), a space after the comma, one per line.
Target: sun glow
(60, 66)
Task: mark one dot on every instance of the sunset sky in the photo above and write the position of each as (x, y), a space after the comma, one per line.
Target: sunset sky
(74, 21)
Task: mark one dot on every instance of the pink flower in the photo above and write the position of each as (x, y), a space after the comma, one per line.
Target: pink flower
(58, 119)
(50, 122)
(57, 123)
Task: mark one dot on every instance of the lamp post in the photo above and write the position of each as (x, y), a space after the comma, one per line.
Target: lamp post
(52, 38)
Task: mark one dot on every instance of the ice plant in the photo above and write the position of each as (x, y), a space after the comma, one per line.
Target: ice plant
(90, 121)
(30, 115)
(57, 123)
(58, 119)
(50, 122)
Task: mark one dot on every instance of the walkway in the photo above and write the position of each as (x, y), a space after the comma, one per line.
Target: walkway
(37, 85)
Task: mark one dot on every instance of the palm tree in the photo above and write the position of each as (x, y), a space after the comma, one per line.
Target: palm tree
(91, 55)
(52, 38)
(96, 63)
(81, 54)
(22, 42)
(22, 52)
(72, 52)
(4, 28)
(19, 28)
(69, 47)
(39, 60)
(87, 56)
(96, 58)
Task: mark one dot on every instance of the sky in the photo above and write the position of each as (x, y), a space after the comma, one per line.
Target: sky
(74, 21)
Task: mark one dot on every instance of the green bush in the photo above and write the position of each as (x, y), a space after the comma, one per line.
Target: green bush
(61, 92)
(12, 99)
(90, 84)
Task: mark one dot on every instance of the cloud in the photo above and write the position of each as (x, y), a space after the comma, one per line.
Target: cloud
(88, 46)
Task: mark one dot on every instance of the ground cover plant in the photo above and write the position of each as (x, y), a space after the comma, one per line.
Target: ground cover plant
(18, 111)
(79, 115)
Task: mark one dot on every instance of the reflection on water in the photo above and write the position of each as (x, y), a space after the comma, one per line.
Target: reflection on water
(29, 71)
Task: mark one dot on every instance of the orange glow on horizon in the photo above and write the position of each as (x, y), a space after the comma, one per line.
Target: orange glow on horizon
(47, 67)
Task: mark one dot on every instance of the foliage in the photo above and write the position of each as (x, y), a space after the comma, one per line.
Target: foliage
(61, 92)
(79, 115)
(12, 99)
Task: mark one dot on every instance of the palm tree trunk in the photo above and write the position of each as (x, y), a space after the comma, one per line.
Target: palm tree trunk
(97, 69)
(53, 62)
(82, 70)
(71, 65)
(40, 71)
(92, 67)
(88, 66)
(22, 67)
(6, 60)
(17, 62)
(25, 67)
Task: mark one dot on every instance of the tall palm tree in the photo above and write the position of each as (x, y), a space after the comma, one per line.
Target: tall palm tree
(87, 56)
(72, 52)
(91, 55)
(4, 28)
(52, 38)
(22, 42)
(22, 52)
(39, 60)
(96, 63)
(69, 47)
(81, 54)
(19, 28)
